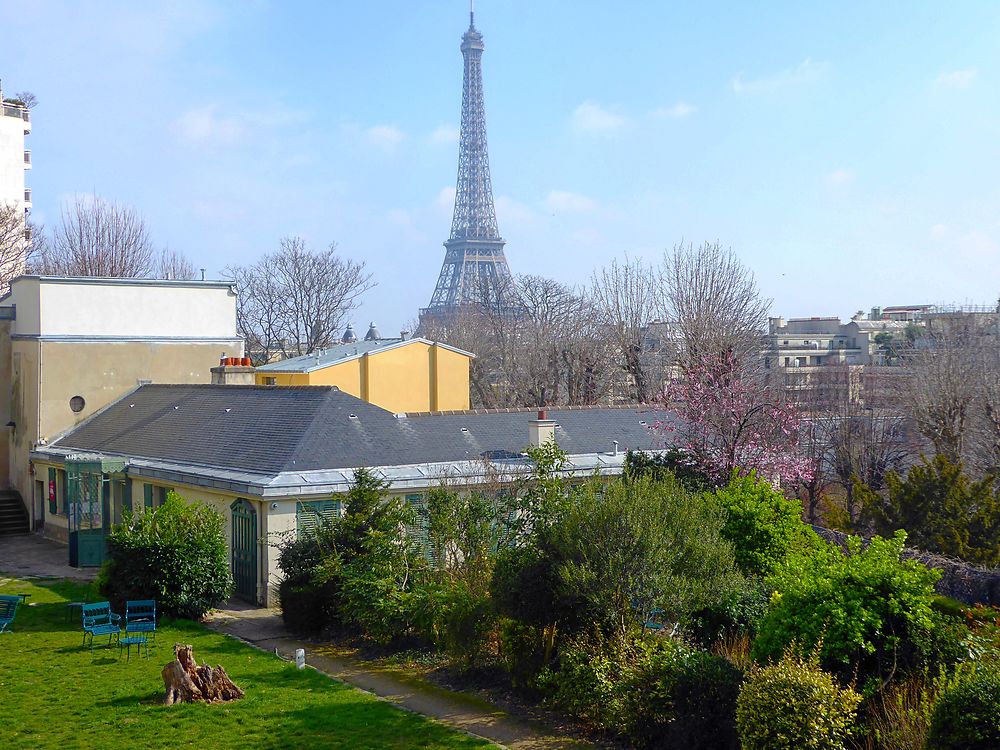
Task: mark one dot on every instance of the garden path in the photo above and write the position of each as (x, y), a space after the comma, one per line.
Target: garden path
(264, 629)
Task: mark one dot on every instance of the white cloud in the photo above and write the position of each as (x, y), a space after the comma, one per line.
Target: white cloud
(444, 134)
(973, 245)
(675, 111)
(445, 200)
(591, 117)
(939, 231)
(956, 79)
(804, 72)
(208, 125)
(511, 211)
(840, 176)
(563, 202)
(385, 136)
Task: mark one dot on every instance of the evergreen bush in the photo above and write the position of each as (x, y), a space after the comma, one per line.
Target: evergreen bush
(794, 705)
(967, 716)
(175, 554)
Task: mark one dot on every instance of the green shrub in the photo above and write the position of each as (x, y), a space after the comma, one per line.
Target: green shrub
(794, 705)
(469, 625)
(587, 681)
(522, 652)
(677, 697)
(673, 463)
(762, 524)
(740, 613)
(967, 716)
(306, 608)
(175, 554)
(866, 610)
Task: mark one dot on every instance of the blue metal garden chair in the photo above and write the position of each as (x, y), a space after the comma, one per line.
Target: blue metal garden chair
(140, 617)
(8, 608)
(98, 619)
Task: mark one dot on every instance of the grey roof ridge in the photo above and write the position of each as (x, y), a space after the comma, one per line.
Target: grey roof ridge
(640, 408)
(275, 366)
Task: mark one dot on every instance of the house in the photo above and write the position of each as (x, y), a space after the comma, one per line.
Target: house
(71, 346)
(399, 374)
(271, 457)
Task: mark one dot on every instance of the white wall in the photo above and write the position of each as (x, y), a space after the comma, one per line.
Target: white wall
(11, 160)
(123, 308)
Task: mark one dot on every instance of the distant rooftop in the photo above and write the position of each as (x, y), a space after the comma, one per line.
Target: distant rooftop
(338, 353)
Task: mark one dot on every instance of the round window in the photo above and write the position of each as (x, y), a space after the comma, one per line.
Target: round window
(77, 403)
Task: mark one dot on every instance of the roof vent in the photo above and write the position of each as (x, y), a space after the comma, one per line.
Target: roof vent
(348, 337)
(373, 334)
(352, 416)
(465, 429)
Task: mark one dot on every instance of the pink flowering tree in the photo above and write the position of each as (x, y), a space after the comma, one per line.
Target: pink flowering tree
(728, 419)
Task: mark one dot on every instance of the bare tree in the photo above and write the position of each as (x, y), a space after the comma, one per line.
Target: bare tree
(173, 265)
(714, 301)
(537, 343)
(26, 99)
(96, 237)
(942, 387)
(16, 244)
(295, 300)
(625, 299)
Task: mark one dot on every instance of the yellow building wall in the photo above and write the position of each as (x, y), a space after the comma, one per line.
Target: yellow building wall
(399, 379)
(414, 378)
(452, 380)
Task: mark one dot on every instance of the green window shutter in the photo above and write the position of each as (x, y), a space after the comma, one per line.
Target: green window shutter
(51, 489)
(127, 495)
(61, 483)
(147, 495)
(310, 515)
(417, 530)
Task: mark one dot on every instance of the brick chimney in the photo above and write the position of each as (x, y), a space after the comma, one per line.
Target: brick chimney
(541, 430)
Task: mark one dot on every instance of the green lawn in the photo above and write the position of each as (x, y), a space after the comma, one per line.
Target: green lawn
(53, 695)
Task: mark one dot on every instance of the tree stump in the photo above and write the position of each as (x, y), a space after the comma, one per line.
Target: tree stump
(186, 682)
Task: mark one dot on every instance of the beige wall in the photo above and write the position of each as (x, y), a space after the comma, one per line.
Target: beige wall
(47, 374)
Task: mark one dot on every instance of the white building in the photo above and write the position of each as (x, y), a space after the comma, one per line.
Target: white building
(15, 159)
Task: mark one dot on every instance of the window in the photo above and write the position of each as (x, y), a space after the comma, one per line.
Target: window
(310, 515)
(270, 381)
(147, 495)
(77, 404)
(161, 495)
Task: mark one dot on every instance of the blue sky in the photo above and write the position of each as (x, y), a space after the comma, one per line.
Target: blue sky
(849, 153)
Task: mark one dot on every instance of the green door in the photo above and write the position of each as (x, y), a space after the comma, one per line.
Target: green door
(244, 550)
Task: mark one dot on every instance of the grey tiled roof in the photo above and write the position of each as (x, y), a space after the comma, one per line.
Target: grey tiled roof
(275, 429)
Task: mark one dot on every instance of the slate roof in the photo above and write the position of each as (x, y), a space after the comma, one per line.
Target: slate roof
(344, 353)
(276, 429)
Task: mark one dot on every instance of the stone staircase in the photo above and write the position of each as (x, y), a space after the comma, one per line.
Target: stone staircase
(13, 516)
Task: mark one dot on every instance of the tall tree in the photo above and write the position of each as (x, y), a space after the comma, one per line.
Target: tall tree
(625, 297)
(295, 300)
(714, 301)
(18, 241)
(97, 237)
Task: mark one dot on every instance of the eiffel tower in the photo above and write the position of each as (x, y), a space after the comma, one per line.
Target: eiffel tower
(474, 268)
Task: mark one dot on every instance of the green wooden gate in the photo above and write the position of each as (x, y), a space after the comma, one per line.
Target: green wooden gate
(244, 550)
(88, 506)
